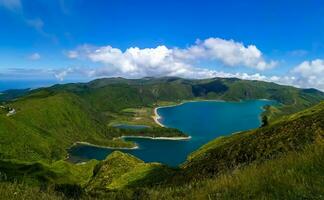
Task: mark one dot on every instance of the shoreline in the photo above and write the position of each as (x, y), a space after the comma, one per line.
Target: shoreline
(106, 147)
(156, 117)
(157, 138)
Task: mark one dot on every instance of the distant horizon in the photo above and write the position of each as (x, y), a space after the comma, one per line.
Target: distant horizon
(12, 84)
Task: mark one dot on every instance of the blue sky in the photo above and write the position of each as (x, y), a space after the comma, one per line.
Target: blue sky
(280, 41)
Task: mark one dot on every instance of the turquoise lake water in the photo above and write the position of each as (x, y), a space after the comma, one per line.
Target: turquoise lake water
(203, 121)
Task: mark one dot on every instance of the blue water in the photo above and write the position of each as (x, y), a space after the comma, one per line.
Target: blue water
(25, 84)
(203, 121)
(32, 84)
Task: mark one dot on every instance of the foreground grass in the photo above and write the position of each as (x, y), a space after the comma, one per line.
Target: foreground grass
(293, 176)
(18, 191)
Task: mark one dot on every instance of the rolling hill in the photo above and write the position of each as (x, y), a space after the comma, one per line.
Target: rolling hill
(47, 121)
(281, 160)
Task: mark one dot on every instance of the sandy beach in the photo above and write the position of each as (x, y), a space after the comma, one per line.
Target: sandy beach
(156, 117)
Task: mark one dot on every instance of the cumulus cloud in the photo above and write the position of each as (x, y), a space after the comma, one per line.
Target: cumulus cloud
(229, 52)
(310, 74)
(164, 61)
(34, 56)
(137, 62)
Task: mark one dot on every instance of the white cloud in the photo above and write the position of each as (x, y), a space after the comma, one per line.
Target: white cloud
(228, 52)
(135, 62)
(310, 74)
(164, 61)
(34, 56)
(60, 75)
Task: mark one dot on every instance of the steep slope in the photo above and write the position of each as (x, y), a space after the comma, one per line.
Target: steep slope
(283, 160)
(115, 94)
(56, 117)
(44, 125)
(120, 171)
(296, 175)
(291, 133)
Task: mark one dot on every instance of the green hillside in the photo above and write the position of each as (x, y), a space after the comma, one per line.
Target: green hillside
(121, 170)
(45, 125)
(282, 160)
(115, 94)
(291, 133)
(37, 128)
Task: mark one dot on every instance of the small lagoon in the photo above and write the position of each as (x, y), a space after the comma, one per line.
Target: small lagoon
(202, 120)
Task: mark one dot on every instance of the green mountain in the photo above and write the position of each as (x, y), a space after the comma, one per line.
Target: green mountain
(38, 126)
(55, 118)
(46, 124)
(283, 160)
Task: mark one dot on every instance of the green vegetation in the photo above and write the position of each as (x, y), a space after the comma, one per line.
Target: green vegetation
(40, 174)
(121, 170)
(282, 159)
(46, 125)
(9, 95)
(152, 132)
(291, 133)
(293, 176)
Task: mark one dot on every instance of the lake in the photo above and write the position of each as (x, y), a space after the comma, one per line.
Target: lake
(202, 120)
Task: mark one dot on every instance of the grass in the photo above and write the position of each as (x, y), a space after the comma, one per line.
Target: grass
(18, 191)
(283, 159)
(292, 133)
(44, 127)
(135, 116)
(39, 173)
(293, 176)
(296, 175)
(120, 170)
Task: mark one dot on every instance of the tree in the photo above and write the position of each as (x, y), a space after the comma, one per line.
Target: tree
(264, 121)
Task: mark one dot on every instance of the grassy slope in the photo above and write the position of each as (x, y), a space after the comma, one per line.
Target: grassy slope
(292, 176)
(119, 94)
(49, 120)
(45, 125)
(39, 173)
(284, 159)
(37, 180)
(121, 170)
(290, 133)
